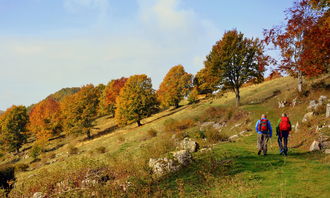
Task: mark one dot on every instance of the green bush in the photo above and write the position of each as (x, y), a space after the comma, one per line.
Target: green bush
(72, 150)
(214, 136)
(35, 151)
(172, 125)
(21, 167)
(152, 133)
(101, 149)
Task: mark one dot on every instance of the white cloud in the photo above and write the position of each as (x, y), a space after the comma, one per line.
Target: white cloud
(163, 35)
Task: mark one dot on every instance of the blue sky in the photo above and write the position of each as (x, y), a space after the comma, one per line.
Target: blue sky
(46, 45)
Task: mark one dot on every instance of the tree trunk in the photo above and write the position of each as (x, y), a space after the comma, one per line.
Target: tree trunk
(139, 123)
(177, 105)
(300, 81)
(238, 97)
(88, 133)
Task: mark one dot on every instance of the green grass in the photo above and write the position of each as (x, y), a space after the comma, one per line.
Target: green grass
(229, 170)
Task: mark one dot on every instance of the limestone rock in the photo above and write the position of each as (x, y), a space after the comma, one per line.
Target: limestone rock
(38, 195)
(205, 125)
(294, 102)
(327, 151)
(296, 127)
(327, 114)
(189, 145)
(308, 116)
(233, 138)
(282, 104)
(325, 145)
(322, 100)
(164, 166)
(315, 146)
(183, 157)
(313, 104)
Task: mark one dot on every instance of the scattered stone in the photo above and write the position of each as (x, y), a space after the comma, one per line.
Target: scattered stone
(38, 195)
(242, 133)
(294, 102)
(282, 104)
(327, 114)
(296, 127)
(189, 145)
(325, 145)
(308, 116)
(163, 166)
(327, 151)
(323, 100)
(233, 137)
(315, 146)
(312, 105)
(206, 125)
(183, 157)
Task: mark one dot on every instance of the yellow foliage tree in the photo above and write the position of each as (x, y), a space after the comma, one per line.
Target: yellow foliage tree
(137, 100)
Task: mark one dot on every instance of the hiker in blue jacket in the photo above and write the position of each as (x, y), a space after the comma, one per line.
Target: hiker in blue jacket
(265, 131)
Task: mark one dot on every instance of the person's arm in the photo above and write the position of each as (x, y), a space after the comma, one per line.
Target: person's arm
(278, 126)
(270, 129)
(257, 126)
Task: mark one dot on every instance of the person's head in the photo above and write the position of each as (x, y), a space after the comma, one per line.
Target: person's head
(263, 116)
(284, 115)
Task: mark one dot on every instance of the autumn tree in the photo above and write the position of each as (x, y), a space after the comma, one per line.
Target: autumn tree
(137, 100)
(109, 96)
(235, 60)
(303, 40)
(174, 87)
(80, 109)
(45, 119)
(13, 128)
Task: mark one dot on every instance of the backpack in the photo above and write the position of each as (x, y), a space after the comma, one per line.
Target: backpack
(285, 124)
(263, 125)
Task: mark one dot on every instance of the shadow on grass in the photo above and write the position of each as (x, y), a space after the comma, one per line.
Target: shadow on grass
(104, 132)
(171, 112)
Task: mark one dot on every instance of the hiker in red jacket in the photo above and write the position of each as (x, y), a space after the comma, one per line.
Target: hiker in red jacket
(282, 131)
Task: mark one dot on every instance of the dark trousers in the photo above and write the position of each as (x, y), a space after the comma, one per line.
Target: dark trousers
(283, 141)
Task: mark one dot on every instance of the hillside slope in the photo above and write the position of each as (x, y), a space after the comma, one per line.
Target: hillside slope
(226, 169)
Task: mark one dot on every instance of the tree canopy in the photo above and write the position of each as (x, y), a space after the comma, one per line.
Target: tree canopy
(13, 128)
(45, 119)
(80, 109)
(109, 96)
(137, 100)
(234, 60)
(175, 86)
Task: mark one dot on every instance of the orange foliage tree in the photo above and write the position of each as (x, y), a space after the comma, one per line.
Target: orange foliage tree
(109, 96)
(44, 119)
(174, 87)
(304, 40)
(137, 100)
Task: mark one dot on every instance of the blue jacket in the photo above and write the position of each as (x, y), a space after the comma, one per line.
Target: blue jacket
(269, 126)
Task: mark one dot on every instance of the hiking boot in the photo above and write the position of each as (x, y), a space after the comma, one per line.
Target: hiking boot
(282, 152)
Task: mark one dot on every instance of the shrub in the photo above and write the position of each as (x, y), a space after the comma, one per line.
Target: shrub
(152, 133)
(121, 138)
(35, 151)
(101, 149)
(172, 125)
(72, 150)
(6, 174)
(214, 136)
(21, 167)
